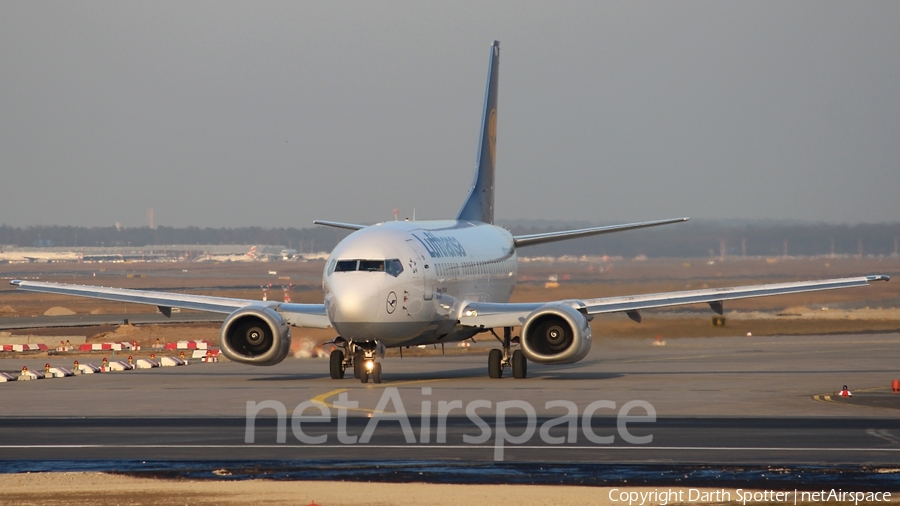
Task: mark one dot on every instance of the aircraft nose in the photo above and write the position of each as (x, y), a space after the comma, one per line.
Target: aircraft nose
(354, 300)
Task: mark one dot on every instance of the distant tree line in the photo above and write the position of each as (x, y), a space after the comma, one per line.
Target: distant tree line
(692, 239)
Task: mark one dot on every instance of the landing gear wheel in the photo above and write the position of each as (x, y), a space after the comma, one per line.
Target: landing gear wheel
(376, 373)
(495, 370)
(357, 365)
(363, 375)
(337, 364)
(519, 365)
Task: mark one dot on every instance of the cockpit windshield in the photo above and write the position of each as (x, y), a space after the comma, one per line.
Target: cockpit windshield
(392, 266)
(371, 265)
(346, 265)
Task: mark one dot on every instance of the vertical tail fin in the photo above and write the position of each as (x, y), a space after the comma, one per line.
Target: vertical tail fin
(479, 206)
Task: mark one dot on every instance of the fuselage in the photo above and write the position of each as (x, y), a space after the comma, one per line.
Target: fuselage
(405, 283)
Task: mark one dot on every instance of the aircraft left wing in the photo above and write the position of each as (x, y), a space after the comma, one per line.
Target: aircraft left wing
(300, 315)
(533, 239)
(489, 315)
(338, 224)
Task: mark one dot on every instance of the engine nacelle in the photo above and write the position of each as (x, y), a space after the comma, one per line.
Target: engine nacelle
(256, 336)
(556, 334)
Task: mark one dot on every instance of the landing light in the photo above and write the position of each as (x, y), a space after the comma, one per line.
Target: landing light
(370, 364)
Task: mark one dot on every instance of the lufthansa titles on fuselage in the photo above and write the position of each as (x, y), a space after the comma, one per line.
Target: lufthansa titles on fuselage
(440, 247)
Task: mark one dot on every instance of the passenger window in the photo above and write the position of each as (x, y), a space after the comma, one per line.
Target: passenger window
(346, 265)
(393, 267)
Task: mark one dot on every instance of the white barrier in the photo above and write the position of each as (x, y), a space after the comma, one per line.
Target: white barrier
(60, 372)
(118, 365)
(171, 362)
(145, 363)
(86, 369)
(27, 375)
(204, 353)
(6, 377)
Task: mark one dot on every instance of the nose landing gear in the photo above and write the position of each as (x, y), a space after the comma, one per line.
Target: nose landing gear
(370, 368)
(498, 360)
(362, 357)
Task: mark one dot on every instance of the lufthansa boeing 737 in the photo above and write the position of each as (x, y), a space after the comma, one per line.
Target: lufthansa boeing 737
(407, 283)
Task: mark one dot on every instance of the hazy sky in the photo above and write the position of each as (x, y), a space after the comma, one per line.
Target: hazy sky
(277, 113)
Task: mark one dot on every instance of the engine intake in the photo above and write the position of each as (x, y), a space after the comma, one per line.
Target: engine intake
(556, 334)
(256, 336)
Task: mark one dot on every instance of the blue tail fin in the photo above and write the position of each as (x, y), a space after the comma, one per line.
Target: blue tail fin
(479, 206)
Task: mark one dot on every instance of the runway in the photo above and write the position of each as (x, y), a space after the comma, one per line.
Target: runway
(720, 401)
(683, 441)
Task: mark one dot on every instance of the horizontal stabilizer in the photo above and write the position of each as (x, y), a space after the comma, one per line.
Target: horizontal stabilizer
(337, 224)
(562, 235)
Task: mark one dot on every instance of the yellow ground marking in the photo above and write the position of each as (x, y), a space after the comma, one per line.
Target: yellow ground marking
(323, 398)
(827, 398)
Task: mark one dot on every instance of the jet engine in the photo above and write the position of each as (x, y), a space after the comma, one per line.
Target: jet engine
(256, 336)
(556, 334)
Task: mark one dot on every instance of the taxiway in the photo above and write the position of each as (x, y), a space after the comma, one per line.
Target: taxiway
(730, 400)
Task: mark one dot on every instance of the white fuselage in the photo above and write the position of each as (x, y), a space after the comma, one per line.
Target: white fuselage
(405, 283)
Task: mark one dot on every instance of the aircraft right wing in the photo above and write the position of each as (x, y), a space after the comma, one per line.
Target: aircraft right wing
(337, 224)
(562, 235)
(716, 296)
(300, 315)
(490, 315)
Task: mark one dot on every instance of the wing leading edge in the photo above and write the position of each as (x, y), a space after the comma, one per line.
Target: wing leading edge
(489, 315)
(338, 224)
(562, 235)
(301, 315)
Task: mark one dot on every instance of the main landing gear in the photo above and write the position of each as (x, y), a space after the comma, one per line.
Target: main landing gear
(501, 359)
(362, 357)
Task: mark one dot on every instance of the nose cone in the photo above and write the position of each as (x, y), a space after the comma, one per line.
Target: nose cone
(352, 300)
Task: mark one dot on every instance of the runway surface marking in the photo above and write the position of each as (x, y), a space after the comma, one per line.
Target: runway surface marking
(323, 398)
(883, 434)
(827, 398)
(455, 447)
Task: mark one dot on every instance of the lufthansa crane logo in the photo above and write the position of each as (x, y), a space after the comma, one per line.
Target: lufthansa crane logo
(391, 303)
(492, 134)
